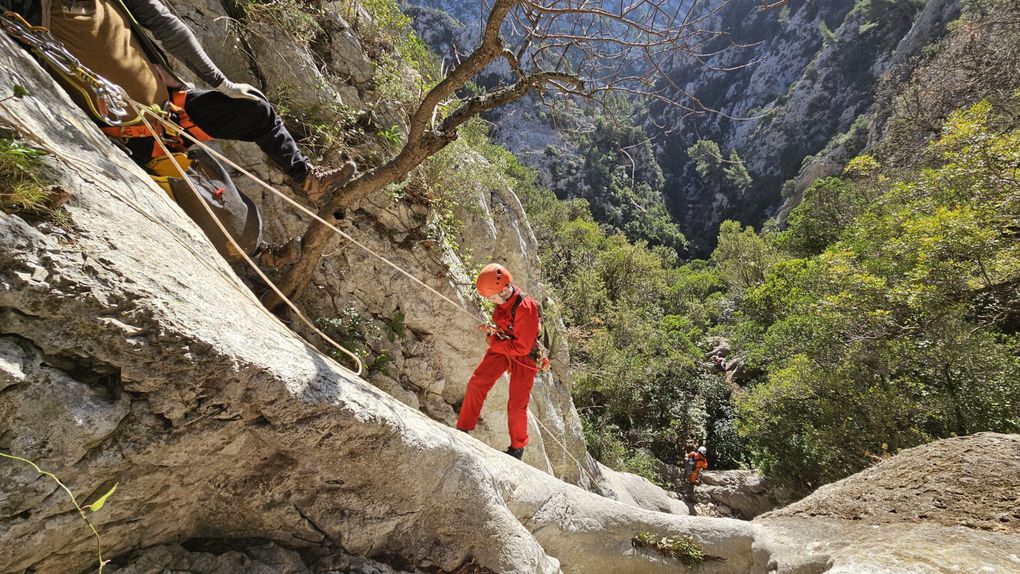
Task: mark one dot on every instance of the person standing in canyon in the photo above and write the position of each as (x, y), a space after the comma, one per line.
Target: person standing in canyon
(513, 344)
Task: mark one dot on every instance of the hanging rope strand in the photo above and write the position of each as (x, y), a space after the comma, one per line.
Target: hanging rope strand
(172, 125)
(594, 482)
(145, 111)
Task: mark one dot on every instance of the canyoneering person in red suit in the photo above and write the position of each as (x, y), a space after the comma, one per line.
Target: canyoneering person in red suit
(512, 345)
(696, 461)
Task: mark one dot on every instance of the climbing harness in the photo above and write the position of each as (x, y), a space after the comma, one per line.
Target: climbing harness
(539, 350)
(106, 101)
(174, 110)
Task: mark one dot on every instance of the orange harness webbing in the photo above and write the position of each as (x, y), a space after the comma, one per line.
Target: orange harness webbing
(175, 105)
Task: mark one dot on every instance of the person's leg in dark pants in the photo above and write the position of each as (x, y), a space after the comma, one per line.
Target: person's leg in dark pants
(256, 121)
(248, 120)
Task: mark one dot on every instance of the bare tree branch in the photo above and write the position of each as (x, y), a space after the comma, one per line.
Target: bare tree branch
(577, 48)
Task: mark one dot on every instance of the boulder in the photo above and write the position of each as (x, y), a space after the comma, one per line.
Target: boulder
(348, 58)
(638, 491)
(941, 507)
(745, 493)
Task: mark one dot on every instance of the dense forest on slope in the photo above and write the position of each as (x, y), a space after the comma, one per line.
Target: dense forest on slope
(884, 316)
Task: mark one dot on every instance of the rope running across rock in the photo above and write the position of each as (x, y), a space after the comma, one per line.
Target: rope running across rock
(172, 125)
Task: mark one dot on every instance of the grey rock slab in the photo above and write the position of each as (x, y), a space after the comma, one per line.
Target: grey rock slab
(844, 547)
(637, 491)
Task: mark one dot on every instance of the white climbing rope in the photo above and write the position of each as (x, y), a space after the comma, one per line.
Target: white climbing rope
(176, 128)
(143, 111)
(594, 482)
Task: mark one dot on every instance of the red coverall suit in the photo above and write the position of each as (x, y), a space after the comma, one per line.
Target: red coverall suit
(503, 355)
(700, 463)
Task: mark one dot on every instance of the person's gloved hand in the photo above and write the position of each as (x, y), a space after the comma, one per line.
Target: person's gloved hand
(240, 91)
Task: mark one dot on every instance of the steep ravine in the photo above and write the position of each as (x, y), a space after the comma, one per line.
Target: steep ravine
(804, 75)
(132, 355)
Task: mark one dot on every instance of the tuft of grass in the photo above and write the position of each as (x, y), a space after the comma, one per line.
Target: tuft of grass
(326, 131)
(299, 20)
(681, 549)
(357, 332)
(24, 188)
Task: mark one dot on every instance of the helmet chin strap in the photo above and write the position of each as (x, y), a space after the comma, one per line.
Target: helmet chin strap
(508, 290)
(506, 293)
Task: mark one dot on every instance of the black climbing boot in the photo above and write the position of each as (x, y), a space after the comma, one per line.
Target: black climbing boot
(517, 453)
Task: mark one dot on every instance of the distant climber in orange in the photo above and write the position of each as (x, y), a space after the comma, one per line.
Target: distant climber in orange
(512, 347)
(696, 462)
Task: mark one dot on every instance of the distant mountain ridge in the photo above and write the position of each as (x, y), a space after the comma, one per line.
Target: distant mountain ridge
(796, 78)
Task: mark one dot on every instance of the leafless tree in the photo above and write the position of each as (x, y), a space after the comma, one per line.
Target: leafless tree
(587, 49)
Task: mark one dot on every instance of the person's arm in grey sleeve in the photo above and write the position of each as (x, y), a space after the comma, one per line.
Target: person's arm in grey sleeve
(176, 38)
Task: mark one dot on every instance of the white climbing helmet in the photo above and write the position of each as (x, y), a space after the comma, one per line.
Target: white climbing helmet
(702, 450)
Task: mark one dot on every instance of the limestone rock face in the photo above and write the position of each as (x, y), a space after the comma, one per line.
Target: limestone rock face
(950, 506)
(261, 51)
(217, 556)
(741, 493)
(840, 547)
(950, 482)
(425, 348)
(638, 491)
(928, 27)
(450, 27)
